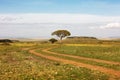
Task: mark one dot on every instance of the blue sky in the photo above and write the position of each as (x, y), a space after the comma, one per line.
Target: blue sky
(38, 18)
(100, 7)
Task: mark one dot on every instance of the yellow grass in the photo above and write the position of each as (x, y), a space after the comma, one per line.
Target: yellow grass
(104, 45)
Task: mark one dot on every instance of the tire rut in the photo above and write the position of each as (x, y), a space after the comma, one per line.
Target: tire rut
(79, 57)
(113, 73)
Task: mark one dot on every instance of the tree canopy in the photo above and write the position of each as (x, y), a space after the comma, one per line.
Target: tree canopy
(61, 33)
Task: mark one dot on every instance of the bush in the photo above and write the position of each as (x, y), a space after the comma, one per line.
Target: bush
(52, 40)
(5, 41)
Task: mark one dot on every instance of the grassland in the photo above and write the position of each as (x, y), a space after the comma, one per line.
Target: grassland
(60, 50)
(16, 63)
(100, 52)
(104, 52)
(111, 66)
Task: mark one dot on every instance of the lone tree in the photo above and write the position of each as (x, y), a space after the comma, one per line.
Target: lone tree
(61, 33)
(52, 40)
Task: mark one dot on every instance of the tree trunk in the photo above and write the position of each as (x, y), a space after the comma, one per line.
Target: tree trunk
(61, 39)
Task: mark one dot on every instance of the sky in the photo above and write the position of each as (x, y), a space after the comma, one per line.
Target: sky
(39, 18)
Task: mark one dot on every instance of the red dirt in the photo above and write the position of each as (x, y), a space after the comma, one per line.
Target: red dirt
(113, 73)
(78, 57)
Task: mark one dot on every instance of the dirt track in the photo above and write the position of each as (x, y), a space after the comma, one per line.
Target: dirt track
(111, 72)
(83, 58)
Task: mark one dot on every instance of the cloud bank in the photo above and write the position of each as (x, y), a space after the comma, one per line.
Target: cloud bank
(110, 26)
(56, 18)
(114, 25)
(42, 25)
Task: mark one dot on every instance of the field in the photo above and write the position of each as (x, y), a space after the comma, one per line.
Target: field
(105, 52)
(36, 61)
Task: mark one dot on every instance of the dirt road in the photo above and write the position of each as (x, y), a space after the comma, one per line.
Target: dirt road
(113, 73)
(83, 58)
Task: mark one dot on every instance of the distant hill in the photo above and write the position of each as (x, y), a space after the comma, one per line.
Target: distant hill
(82, 37)
(89, 40)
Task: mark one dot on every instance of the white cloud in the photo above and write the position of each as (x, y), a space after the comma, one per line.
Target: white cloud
(110, 25)
(56, 18)
(77, 24)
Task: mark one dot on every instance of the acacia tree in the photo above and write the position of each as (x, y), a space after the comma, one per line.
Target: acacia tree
(61, 33)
